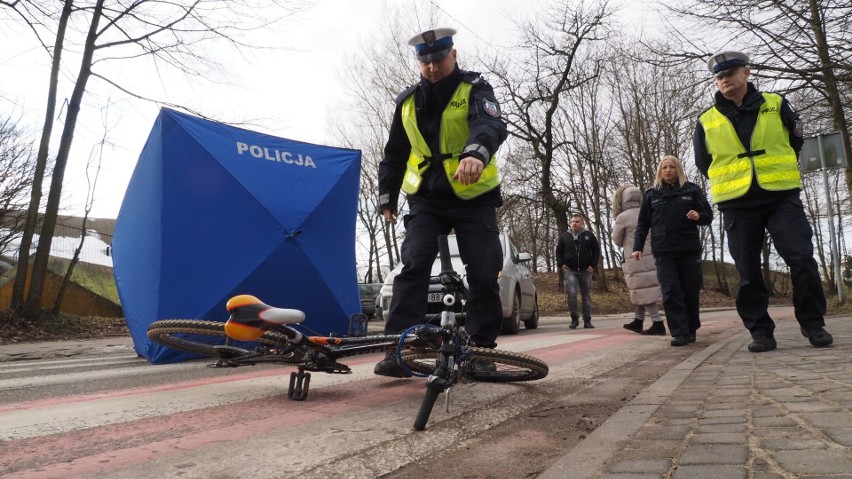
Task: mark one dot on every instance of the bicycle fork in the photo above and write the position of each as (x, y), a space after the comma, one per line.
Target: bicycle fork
(447, 371)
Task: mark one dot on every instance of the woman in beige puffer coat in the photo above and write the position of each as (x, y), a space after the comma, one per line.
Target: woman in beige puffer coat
(640, 276)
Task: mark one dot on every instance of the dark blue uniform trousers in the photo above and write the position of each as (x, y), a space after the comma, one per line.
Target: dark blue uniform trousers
(680, 282)
(792, 236)
(479, 246)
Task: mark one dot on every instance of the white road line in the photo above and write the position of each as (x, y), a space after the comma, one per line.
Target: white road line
(101, 374)
(17, 366)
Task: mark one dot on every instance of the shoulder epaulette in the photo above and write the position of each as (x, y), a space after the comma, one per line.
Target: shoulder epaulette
(473, 78)
(405, 93)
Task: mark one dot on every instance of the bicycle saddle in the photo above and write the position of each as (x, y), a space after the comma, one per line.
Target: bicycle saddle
(251, 317)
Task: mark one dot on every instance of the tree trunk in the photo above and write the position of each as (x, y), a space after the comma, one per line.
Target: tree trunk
(18, 286)
(33, 304)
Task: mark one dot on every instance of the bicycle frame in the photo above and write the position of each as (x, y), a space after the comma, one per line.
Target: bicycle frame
(250, 318)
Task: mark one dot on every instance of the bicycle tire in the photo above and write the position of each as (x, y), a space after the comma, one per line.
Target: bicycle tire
(426, 408)
(510, 366)
(164, 332)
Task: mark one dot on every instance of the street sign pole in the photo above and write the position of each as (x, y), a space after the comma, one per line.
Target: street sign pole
(835, 248)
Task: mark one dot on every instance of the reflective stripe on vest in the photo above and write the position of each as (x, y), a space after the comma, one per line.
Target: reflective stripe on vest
(772, 159)
(454, 132)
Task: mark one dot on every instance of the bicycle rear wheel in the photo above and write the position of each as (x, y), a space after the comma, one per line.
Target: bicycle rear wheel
(509, 366)
(201, 337)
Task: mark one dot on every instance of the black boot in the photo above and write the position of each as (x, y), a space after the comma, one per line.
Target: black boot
(587, 323)
(635, 325)
(575, 321)
(390, 367)
(657, 329)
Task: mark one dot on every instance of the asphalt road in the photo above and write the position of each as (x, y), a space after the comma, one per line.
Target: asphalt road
(95, 409)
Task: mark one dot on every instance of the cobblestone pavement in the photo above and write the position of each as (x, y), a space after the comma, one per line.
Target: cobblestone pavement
(728, 413)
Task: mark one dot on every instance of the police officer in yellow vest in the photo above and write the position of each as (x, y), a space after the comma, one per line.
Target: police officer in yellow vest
(747, 145)
(440, 151)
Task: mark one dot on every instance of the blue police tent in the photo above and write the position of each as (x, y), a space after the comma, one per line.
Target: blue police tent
(213, 211)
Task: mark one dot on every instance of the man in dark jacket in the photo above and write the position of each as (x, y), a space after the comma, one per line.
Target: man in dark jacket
(440, 151)
(747, 144)
(577, 252)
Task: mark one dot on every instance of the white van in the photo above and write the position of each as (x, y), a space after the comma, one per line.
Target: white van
(517, 289)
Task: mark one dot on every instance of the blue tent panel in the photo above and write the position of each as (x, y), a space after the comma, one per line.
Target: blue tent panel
(212, 211)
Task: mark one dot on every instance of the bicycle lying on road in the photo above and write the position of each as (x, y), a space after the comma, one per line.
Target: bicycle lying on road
(256, 333)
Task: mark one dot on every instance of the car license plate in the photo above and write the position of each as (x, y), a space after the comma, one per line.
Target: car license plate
(435, 297)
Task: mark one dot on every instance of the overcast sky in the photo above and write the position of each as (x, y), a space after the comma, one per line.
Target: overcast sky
(293, 91)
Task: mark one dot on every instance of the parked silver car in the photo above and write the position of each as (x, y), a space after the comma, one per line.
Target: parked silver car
(517, 289)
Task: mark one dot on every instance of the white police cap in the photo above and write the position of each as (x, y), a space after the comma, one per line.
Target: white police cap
(726, 60)
(433, 45)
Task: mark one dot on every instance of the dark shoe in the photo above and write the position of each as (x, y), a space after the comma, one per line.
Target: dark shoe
(761, 345)
(588, 324)
(574, 323)
(818, 336)
(390, 367)
(657, 329)
(483, 366)
(680, 340)
(635, 326)
(691, 338)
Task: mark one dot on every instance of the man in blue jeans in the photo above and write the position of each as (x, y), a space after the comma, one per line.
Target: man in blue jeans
(578, 252)
(747, 144)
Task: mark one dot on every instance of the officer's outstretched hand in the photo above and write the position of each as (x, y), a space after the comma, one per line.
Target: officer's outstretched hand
(637, 255)
(469, 170)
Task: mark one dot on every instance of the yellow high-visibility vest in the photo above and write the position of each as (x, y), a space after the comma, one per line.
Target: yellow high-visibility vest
(771, 159)
(454, 133)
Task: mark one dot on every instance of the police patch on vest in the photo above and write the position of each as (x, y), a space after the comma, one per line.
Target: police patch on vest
(491, 108)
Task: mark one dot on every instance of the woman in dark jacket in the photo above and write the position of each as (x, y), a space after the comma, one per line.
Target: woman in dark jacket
(672, 210)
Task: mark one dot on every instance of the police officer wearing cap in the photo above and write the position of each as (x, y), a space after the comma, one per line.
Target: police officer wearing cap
(440, 151)
(747, 145)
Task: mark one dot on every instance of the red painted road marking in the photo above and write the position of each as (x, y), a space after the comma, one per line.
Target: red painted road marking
(91, 451)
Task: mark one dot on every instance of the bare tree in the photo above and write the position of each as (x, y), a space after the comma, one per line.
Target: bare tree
(523, 214)
(587, 161)
(24, 10)
(17, 165)
(536, 78)
(170, 33)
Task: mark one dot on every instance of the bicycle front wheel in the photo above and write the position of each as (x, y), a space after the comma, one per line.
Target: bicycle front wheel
(201, 337)
(509, 366)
